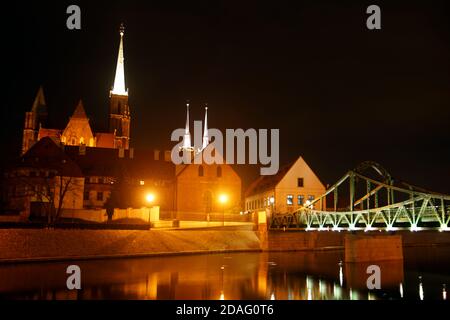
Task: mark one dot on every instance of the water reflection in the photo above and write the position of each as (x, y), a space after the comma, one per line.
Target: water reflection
(391, 274)
(420, 288)
(285, 276)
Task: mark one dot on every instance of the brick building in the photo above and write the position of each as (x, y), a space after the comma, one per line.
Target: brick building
(109, 171)
(287, 191)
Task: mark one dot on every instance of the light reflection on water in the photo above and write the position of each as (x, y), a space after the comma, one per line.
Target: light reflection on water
(283, 275)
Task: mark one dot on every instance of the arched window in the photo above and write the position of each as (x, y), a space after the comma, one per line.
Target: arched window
(219, 171)
(200, 171)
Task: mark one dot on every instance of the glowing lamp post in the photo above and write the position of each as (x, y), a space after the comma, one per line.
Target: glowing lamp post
(149, 198)
(272, 204)
(308, 204)
(223, 199)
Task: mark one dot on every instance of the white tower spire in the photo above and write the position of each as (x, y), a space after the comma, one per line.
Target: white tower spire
(205, 130)
(119, 80)
(187, 136)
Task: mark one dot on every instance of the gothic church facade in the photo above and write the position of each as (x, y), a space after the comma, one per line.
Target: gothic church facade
(78, 131)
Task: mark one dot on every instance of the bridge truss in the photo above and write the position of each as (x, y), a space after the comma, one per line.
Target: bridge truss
(370, 204)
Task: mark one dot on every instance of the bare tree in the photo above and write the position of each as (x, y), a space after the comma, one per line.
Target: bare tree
(49, 187)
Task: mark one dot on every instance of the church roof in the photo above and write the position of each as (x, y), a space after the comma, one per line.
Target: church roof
(46, 154)
(106, 162)
(79, 111)
(46, 132)
(95, 161)
(144, 165)
(105, 139)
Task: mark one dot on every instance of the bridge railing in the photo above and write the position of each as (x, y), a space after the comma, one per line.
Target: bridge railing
(414, 215)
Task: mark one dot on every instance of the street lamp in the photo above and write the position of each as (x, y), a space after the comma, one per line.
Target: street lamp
(272, 202)
(149, 198)
(223, 198)
(308, 204)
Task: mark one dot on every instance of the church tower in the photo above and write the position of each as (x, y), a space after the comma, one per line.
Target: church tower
(33, 120)
(119, 110)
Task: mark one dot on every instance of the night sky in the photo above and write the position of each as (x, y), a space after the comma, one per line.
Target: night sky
(339, 93)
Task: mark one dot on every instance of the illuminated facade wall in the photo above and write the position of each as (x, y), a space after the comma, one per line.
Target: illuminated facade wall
(78, 131)
(298, 185)
(199, 187)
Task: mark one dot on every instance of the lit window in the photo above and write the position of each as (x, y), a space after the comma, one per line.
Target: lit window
(290, 199)
(300, 182)
(142, 182)
(300, 199)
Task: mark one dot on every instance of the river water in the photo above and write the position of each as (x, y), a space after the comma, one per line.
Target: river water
(422, 274)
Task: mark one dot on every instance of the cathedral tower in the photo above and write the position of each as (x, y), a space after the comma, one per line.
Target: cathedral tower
(33, 120)
(119, 110)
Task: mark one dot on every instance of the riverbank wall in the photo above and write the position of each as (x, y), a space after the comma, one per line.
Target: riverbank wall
(25, 245)
(28, 245)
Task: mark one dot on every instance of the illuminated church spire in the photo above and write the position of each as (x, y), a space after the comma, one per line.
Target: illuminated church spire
(186, 130)
(187, 136)
(119, 80)
(205, 130)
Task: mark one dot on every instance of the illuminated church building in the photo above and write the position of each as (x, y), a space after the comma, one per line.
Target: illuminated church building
(78, 131)
(105, 158)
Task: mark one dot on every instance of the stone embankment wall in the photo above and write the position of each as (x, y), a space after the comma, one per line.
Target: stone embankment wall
(57, 244)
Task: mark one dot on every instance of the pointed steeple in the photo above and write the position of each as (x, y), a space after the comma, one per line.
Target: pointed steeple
(119, 80)
(205, 130)
(186, 130)
(79, 111)
(39, 101)
(187, 136)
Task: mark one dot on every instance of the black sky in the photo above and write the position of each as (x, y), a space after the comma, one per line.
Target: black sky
(339, 93)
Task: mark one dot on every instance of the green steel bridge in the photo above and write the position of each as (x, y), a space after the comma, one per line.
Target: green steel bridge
(358, 201)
